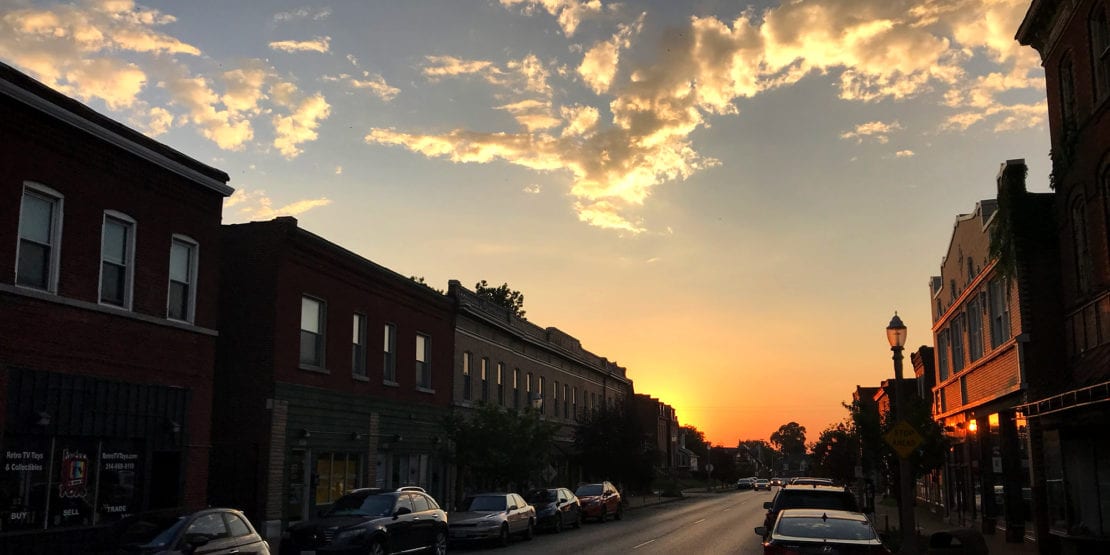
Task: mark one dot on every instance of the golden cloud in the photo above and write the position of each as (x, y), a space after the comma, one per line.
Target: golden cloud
(319, 44)
(877, 130)
(257, 205)
(371, 82)
(568, 13)
(300, 126)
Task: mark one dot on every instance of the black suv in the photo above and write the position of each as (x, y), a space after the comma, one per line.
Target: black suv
(372, 521)
(813, 496)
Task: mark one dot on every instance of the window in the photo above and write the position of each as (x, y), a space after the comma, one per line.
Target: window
(999, 313)
(336, 474)
(956, 336)
(389, 354)
(1067, 100)
(358, 345)
(423, 361)
(485, 379)
(516, 388)
(181, 300)
(528, 389)
(40, 231)
(566, 401)
(501, 383)
(974, 330)
(555, 397)
(1100, 51)
(574, 402)
(963, 390)
(1081, 249)
(542, 392)
(312, 332)
(466, 376)
(117, 251)
(942, 356)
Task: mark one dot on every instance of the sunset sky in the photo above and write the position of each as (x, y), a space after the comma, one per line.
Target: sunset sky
(729, 198)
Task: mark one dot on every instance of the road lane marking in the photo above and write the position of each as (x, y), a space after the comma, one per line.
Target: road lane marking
(699, 521)
(643, 544)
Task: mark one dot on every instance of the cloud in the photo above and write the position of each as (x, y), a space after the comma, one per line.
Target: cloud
(599, 64)
(302, 13)
(371, 82)
(532, 114)
(227, 128)
(247, 205)
(319, 44)
(339, 170)
(299, 126)
(904, 153)
(533, 189)
(525, 75)
(876, 130)
(568, 13)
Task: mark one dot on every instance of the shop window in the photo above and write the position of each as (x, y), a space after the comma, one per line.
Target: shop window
(336, 474)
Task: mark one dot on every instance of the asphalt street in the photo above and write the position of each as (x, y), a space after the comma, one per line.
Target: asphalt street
(701, 523)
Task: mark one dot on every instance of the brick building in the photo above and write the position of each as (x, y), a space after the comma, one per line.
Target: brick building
(1068, 416)
(510, 362)
(333, 373)
(994, 331)
(659, 423)
(109, 248)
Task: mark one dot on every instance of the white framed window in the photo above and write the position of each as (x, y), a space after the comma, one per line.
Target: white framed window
(312, 332)
(501, 383)
(40, 234)
(117, 256)
(485, 378)
(358, 345)
(182, 298)
(423, 361)
(389, 353)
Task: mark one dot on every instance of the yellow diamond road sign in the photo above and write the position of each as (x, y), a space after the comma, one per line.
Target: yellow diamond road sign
(903, 439)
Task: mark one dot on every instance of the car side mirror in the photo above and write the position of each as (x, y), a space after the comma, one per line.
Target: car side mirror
(761, 531)
(193, 541)
(402, 511)
(767, 505)
(511, 508)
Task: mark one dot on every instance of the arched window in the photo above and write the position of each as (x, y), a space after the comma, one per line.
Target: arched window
(1080, 246)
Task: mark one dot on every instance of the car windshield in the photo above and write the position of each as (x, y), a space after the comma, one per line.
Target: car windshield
(484, 503)
(591, 489)
(819, 527)
(363, 504)
(540, 496)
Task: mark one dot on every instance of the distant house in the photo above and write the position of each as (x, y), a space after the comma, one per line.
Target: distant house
(109, 284)
(333, 373)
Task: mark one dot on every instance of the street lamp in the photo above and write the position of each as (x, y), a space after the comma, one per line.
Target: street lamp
(896, 335)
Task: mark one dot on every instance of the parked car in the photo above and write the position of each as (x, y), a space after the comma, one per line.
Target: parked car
(794, 496)
(600, 500)
(374, 521)
(821, 531)
(493, 516)
(556, 508)
(208, 531)
(810, 481)
(745, 483)
(761, 483)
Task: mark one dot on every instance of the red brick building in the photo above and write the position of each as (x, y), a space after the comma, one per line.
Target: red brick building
(994, 327)
(1068, 417)
(109, 312)
(659, 423)
(333, 373)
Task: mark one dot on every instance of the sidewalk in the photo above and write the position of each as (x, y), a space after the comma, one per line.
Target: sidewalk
(928, 522)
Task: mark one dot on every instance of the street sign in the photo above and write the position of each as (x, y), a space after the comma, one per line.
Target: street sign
(903, 438)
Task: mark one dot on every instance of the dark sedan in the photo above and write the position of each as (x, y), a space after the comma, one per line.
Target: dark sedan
(207, 532)
(556, 508)
(372, 521)
(821, 531)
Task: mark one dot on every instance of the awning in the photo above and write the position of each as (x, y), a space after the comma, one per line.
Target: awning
(1075, 398)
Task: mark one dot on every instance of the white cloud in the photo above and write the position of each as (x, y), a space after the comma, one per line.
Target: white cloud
(318, 44)
(568, 13)
(302, 13)
(339, 170)
(299, 126)
(876, 130)
(599, 64)
(904, 153)
(533, 189)
(371, 82)
(522, 76)
(247, 205)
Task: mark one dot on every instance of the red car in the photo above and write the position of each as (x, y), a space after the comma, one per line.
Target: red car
(600, 501)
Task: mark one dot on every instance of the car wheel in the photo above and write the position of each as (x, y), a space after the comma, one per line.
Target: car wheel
(531, 530)
(440, 545)
(558, 524)
(503, 538)
(377, 548)
(604, 514)
(620, 512)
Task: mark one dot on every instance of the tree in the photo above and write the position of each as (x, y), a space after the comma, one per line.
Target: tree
(762, 457)
(495, 447)
(870, 427)
(502, 296)
(790, 439)
(695, 440)
(611, 447)
(420, 280)
(836, 452)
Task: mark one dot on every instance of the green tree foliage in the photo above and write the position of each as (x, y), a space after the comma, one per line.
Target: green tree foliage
(502, 295)
(494, 447)
(611, 446)
(695, 440)
(790, 439)
(870, 427)
(836, 453)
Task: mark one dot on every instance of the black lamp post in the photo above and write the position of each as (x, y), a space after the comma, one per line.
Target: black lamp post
(896, 335)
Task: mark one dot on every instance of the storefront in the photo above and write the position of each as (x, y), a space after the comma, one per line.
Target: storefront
(79, 452)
